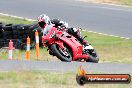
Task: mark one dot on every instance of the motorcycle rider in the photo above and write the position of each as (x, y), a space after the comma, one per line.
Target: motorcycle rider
(44, 22)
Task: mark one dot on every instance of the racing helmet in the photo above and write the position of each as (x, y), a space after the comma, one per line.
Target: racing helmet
(42, 20)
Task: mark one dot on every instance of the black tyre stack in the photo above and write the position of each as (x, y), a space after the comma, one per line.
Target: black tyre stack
(1, 31)
(7, 31)
(5, 34)
(18, 33)
(1, 34)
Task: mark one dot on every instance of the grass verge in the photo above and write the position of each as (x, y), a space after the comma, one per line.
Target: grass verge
(110, 49)
(120, 2)
(25, 79)
(8, 19)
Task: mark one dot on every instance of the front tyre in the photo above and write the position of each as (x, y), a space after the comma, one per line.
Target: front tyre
(63, 54)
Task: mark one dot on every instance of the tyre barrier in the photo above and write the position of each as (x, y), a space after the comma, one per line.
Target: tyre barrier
(18, 33)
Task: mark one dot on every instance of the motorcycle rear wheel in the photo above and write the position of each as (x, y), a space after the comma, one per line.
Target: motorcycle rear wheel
(60, 54)
(93, 57)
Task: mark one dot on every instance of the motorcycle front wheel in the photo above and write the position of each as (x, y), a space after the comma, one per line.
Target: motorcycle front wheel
(63, 54)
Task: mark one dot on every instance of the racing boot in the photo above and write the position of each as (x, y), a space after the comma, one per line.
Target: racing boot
(86, 46)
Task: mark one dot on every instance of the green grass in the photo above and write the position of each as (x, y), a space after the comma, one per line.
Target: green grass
(20, 55)
(126, 2)
(26, 79)
(7, 19)
(110, 49)
(120, 2)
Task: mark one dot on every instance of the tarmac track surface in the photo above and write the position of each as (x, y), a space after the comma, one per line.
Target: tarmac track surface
(108, 19)
(56, 66)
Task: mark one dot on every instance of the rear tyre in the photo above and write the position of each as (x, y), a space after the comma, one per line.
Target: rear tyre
(63, 55)
(93, 56)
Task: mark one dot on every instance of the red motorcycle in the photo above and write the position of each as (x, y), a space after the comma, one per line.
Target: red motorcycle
(66, 47)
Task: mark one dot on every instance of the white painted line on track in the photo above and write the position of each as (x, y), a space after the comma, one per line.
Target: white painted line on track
(109, 35)
(82, 30)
